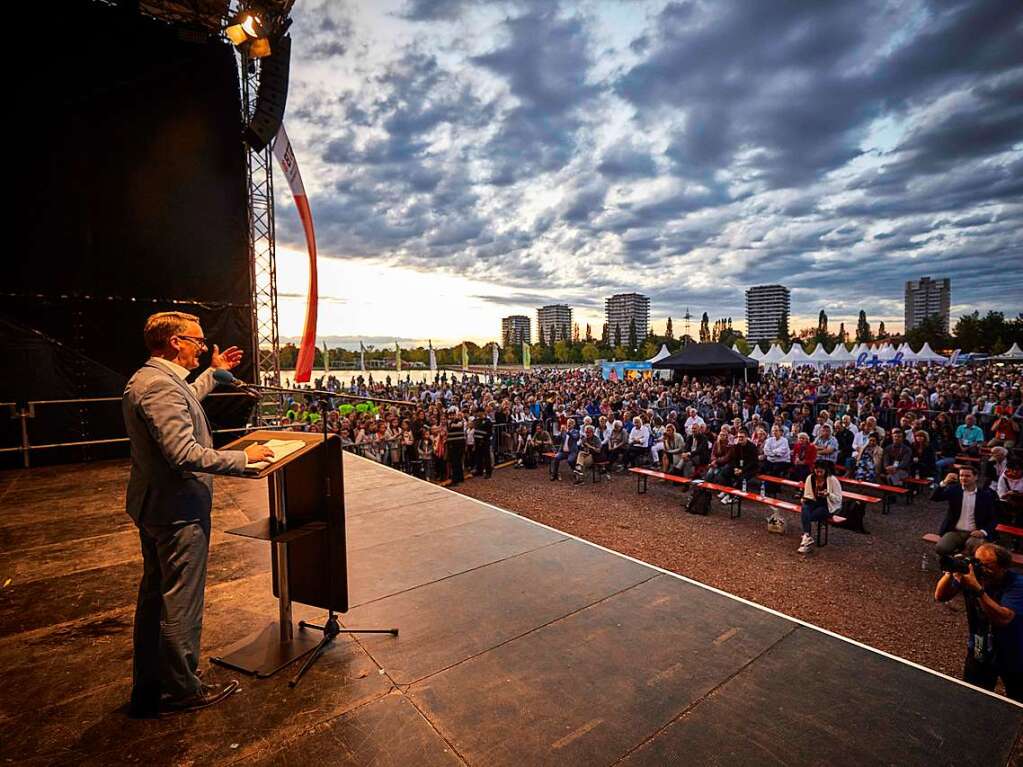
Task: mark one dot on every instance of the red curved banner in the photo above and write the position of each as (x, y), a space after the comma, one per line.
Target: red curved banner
(289, 166)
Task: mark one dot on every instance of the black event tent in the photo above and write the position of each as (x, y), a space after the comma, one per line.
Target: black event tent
(709, 360)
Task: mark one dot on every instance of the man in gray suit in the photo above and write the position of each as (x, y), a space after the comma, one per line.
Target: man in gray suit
(170, 495)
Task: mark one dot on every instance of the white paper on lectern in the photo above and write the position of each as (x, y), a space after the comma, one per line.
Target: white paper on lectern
(281, 448)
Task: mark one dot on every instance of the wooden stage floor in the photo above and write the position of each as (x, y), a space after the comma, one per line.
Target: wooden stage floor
(519, 645)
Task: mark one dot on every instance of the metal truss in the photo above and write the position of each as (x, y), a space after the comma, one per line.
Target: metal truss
(262, 252)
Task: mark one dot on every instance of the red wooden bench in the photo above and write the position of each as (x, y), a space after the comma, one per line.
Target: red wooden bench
(846, 494)
(916, 485)
(887, 490)
(1017, 559)
(642, 475)
(735, 509)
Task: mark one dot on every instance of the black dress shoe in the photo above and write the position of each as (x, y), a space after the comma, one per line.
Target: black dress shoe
(207, 696)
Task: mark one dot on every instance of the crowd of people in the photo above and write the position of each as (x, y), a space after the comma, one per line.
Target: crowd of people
(882, 424)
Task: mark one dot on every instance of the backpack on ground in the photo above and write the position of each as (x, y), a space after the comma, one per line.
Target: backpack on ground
(698, 503)
(854, 513)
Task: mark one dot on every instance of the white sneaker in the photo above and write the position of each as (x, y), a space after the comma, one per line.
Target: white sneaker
(727, 500)
(722, 496)
(805, 545)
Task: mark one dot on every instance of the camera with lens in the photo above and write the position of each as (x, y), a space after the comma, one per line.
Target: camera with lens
(959, 563)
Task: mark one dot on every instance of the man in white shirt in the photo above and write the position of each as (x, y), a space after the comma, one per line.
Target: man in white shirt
(693, 419)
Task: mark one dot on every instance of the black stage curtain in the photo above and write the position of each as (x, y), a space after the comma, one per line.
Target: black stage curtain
(130, 199)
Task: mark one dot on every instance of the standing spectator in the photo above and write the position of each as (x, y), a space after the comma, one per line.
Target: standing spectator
(455, 446)
(483, 431)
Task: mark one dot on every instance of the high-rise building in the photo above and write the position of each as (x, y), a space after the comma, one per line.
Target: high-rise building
(766, 305)
(515, 330)
(928, 298)
(621, 310)
(554, 322)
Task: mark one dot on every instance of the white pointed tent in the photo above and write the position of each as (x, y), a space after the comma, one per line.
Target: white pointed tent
(756, 354)
(820, 356)
(1014, 353)
(908, 355)
(842, 356)
(796, 356)
(928, 355)
(885, 353)
(773, 356)
(661, 354)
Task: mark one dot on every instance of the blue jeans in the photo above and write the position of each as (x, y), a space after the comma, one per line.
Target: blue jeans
(813, 511)
(942, 465)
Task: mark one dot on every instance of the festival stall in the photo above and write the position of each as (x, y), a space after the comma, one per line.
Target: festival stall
(701, 360)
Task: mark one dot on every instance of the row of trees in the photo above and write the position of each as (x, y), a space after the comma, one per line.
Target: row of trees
(991, 334)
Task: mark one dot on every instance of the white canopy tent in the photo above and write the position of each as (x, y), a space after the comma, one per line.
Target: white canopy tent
(796, 357)
(661, 354)
(773, 356)
(885, 353)
(1014, 353)
(820, 356)
(908, 355)
(928, 355)
(756, 354)
(842, 356)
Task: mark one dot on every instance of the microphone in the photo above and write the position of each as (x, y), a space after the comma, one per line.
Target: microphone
(227, 378)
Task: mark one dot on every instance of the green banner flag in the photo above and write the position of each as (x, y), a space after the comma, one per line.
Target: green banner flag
(465, 357)
(397, 357)
(525, 355)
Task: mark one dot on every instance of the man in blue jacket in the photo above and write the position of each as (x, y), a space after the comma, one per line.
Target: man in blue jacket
(971, 511)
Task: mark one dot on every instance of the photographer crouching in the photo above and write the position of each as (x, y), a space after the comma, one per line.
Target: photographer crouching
(994, 601)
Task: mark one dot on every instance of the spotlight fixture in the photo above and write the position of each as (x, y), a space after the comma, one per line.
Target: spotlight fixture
(247, 34)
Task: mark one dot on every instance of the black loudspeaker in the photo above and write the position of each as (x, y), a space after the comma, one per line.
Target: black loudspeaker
(272, 95)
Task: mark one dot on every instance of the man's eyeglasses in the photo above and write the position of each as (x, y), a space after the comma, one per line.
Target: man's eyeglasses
(200, 342)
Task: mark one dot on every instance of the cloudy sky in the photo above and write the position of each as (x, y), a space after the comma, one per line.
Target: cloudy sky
(466, 159)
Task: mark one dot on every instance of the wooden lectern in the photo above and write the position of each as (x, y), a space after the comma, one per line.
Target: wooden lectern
(306, 532)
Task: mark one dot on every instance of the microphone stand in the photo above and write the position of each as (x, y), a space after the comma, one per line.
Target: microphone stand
(331, 627)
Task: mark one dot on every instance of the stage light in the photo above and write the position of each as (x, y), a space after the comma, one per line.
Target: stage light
(247, 27)
(259, 48)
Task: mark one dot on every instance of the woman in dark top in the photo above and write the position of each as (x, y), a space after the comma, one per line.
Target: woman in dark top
(922, 462)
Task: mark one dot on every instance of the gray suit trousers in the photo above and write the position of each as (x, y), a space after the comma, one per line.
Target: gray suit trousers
(168, 615)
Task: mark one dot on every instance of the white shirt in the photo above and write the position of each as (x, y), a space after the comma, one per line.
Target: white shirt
(777, 450)
(967, 522)
(1007, 485)
(691, 421)
(173, 367)
(639, 435)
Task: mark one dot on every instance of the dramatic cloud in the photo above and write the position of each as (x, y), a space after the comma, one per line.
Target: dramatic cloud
(687, 150)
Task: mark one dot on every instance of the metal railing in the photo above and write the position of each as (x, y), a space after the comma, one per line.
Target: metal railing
(25, 412)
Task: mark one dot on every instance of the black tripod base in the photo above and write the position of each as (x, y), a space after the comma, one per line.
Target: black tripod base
(331, 629)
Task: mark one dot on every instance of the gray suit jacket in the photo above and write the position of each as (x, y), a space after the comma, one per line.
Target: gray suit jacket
(171, 447)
